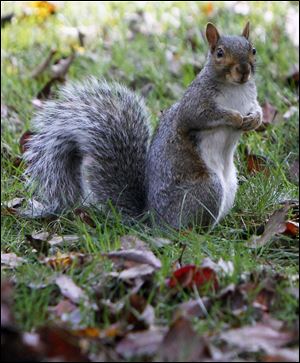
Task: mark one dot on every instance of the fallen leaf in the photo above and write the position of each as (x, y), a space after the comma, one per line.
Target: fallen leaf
(276, 224)
(25, 138)
(192, 308)
(84, 217)
(39, 241)
(131, 257)
(160, 242)
(140, 344)
(190, 275)
(182, 344)
(70, 290)
(14, 203)
(136, 272)
(11, 260)
(282, 355)
(257, 164)
(7, 317)
(65, 260)
(291, 228)
(138, 312)
(88, 332)
(66, 239)
(63, 307)
(257, 337)
(132, 242)
(58, 344)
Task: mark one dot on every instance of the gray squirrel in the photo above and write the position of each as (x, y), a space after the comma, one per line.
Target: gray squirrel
(93, 145)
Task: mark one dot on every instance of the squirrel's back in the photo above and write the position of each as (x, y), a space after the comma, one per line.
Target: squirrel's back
(90, 147)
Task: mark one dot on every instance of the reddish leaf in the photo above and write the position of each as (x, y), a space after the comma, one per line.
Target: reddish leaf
(190, 275)
(84, 216)
(292, 228)
(257, 164)
(60, 344)
(276, 224)
(24, 140)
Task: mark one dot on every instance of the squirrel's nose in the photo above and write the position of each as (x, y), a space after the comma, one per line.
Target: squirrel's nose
(243, 68)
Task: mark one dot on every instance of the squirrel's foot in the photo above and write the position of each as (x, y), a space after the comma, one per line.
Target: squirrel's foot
(252, 121)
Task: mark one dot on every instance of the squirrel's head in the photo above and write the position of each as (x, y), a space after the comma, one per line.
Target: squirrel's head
(233, 57)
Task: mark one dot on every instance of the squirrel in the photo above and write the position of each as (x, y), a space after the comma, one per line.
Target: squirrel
(94, 146)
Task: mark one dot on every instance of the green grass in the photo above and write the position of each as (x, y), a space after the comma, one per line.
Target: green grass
(137, 62)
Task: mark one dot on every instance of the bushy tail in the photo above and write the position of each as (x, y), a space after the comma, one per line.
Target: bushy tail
(90, 147)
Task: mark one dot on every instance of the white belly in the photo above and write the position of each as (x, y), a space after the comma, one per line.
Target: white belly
(217, 150)
(217, 146)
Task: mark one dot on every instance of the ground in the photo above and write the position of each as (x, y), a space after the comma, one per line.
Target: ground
(156, 48)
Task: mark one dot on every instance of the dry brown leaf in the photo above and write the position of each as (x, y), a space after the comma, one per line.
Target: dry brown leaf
(136, 272)
(132, 242)
(140, 344)
(11, 260)
(84, 217)
(160, 242)
(254, 338)
(66, 239)
(25, 138)
(39, 241)
(65, 260)
(182, 344)
(132, 257)
(282, 355)
(14, 203)
(193, 308)
(63, 307)
(275, 225)
(257, 164)
(70, 290)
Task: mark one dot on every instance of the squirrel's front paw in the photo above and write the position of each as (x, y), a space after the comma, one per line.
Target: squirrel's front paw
(236, 119)
(252, 121)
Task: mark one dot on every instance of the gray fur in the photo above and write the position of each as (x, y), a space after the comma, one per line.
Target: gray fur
(91, 147)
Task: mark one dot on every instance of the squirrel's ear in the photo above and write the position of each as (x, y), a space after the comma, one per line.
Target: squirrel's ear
(246, 30)
(212, 35)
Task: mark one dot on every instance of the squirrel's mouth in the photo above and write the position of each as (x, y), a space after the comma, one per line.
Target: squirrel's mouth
(238, 78)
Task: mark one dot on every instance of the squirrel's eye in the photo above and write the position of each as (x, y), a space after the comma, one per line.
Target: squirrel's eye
(253, 51)
(220, 53)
